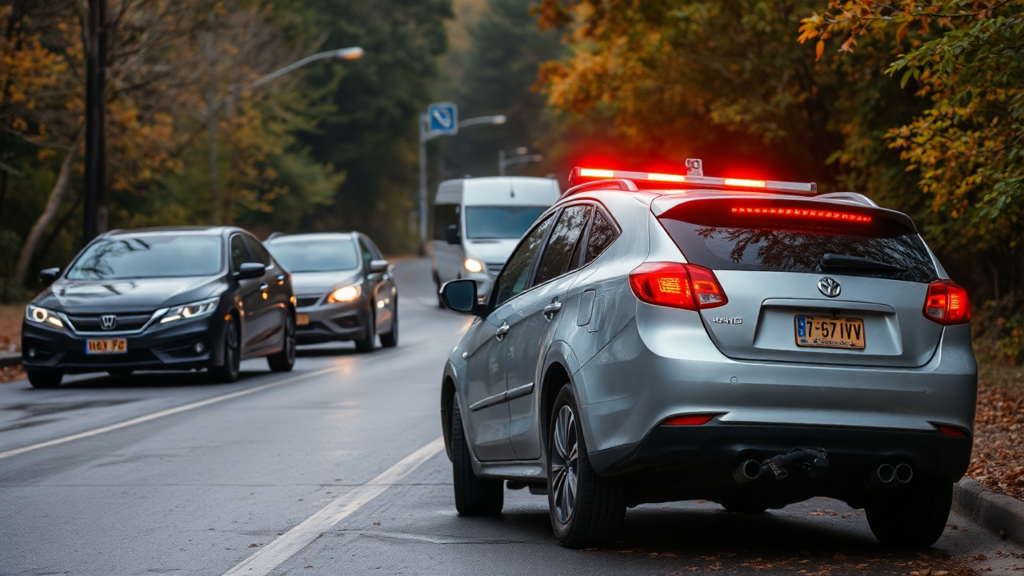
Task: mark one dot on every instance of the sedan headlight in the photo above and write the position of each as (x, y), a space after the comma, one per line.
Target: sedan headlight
(191, 310)
(344, 294)
(473, 265)
(42, 316)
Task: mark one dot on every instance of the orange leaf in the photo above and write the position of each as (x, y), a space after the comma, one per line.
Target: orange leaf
(820, 49)
(902, 31)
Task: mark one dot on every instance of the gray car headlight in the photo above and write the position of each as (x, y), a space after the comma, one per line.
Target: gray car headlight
(191, 310)
(42, 316)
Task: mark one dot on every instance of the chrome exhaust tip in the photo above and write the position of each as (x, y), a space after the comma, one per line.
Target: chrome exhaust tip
(885, 474)
(904, 473)
(747, 471)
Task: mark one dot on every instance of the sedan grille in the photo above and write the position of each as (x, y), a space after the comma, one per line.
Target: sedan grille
(121, 323)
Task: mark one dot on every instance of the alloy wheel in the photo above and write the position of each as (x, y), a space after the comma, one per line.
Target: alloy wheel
(565, 465)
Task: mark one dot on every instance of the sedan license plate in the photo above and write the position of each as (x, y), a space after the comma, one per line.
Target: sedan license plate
(829, 332)
(302, 319)
(107, 346)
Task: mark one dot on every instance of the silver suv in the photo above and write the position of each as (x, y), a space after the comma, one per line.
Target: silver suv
(660, 337)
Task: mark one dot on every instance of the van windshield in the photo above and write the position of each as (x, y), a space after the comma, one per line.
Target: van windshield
(497, 222)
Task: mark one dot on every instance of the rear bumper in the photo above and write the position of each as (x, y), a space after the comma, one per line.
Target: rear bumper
(332, 322)
(167, 347)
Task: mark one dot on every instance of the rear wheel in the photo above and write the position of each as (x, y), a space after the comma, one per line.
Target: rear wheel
(473, 496)
(228, 371)
(367, 342)
(586, 509)
(45, 378)
(913, 515)
(390, 339)
(284, 360)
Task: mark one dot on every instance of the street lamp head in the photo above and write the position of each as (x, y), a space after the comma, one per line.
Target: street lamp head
(349, 53)
(499, 119)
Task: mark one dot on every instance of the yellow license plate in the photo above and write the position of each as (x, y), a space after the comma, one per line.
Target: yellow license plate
(302, 319)
(828, 332)
(107, 346)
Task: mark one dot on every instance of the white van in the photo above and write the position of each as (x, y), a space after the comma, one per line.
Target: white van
(479, 221)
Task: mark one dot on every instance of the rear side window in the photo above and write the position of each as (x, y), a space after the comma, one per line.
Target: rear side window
(445, 215)
(858, 241)
(602, 234)
(561, 247)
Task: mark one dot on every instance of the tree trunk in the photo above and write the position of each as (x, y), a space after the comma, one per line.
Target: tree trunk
(56, 196)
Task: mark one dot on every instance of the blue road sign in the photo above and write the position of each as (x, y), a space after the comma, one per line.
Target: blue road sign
(443, 118)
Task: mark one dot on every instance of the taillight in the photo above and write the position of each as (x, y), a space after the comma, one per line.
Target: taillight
(947, 303)
(677, 285)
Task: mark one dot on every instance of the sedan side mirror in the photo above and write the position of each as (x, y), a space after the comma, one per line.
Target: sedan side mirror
(378, 266)
(460, 295)
(251, 270)
(49, 275)
(452, 234)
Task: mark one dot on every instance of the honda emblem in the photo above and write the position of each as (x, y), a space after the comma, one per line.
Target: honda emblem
(108, 321)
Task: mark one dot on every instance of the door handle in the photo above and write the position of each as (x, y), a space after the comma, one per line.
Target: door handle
(280, 278)
(264, 286)
(551, 309)
(501, 332)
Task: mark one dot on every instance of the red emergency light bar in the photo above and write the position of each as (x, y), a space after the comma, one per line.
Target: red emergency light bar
(581, 175)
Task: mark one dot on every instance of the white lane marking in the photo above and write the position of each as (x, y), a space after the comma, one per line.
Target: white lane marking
(293, 541)
(160, 414)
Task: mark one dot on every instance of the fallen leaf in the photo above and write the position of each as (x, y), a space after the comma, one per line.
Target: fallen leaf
(254, 545)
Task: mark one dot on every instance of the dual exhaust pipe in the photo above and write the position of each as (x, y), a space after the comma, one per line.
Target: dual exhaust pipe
(883, 475)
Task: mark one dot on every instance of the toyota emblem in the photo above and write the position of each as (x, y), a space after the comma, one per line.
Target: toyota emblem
(108, 321)
(829, 287)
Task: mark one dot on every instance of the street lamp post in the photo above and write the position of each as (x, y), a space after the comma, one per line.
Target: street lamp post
(522, 157)
(350, 53)
(426, 136)
(95, 193)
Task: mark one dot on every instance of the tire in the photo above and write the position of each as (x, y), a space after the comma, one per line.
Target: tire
(45, 378)
(284, 360)
(592, 514)
(914, 515)
(437, 290)
(390, 339)
(473, 496)
(366, 344)
(228, 371)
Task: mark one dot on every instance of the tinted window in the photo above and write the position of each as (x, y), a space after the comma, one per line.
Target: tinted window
(516, 273)
(257, 251)
(316, 255)
(602, 234)
(500, 221)
(445, 215)
(561, 247)
(149, 256)
(714, 240)
(366, 253)
(239, 253)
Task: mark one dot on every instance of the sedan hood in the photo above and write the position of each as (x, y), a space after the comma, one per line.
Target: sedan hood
(316, 283)
(491, 251)
(134, 295)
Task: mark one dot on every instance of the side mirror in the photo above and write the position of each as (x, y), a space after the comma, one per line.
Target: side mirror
(460, 295)
(452, 234)
(251, 270)
(378, 266)
(49, 275)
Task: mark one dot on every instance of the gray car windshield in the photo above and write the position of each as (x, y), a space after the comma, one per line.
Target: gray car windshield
(316, 255)
(149, 256)
(497, 222)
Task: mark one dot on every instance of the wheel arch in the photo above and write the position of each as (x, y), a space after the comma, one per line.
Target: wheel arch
(448, 392)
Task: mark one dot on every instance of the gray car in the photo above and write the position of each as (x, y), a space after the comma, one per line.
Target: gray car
(343, 288)
(659, 338)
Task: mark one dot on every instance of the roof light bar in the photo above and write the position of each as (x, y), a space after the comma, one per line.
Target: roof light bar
(693, 179)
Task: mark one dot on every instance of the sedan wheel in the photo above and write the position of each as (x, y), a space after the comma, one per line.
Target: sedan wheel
(228, 371)
(565, 465)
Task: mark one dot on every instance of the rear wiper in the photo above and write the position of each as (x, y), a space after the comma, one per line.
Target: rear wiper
(838, 262)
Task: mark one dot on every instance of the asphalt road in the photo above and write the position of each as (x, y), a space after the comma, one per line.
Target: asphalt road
(336, 468)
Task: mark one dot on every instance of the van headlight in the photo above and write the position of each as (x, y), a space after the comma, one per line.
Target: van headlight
(191, 310)
(473, 265)
(42, 316)
(344, 294)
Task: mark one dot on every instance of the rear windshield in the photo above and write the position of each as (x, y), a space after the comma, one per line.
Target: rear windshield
(316, 255)
(500, 221)
(712, 237)
(149, 256)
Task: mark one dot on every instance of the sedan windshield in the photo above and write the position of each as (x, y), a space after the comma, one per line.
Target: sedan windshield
(500, 221)
(149, 256)
(316, 255)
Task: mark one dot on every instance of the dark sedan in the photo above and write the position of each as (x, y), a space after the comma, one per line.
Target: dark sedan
(162, 299)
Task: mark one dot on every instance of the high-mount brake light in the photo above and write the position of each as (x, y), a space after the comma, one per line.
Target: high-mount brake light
(676, 285)
(834, 215)
(745, 183)
(947, 303)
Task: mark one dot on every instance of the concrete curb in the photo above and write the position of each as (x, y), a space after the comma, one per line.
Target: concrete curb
(998, 513)
(9, 360)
